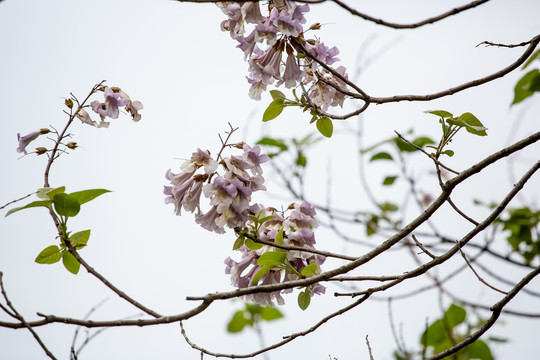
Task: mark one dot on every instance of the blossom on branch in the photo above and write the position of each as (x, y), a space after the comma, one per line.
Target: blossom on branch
(282, 30)
(27, 139)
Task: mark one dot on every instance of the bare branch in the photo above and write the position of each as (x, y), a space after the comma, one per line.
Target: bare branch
(427, 21)
(286, 339)
(22, 320)
(475, 273)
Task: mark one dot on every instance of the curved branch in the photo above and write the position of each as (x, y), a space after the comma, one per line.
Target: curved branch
(49, 319)
(437, 203)
(497, 308)
(415, 25)
(286, 339)
(451, 91)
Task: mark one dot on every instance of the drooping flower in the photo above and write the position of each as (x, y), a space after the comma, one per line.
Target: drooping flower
(208, 221)
(296, 230)
(132, 107)
(283, 21)
(27, 139)
(253, 156)
(292, 75)
(85, 117)
(109, 108)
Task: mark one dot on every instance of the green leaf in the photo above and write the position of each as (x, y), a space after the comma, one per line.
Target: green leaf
(49, 255)
(381, 156)
(533, 57)
(79, 239)
(274, 109)
(259, 274)
(450, 153)
(279, 237)
(44, 203)
(388, 207)
(309, 270)
(237, 323)
(266, 218)
(71, 264)
(389, 180)
(269, 314)
(325, 126)
(434, 335)
(441, 113)
(239, 242)
(455, 315)
(471, 123)
(422, 141)
(525, 87)
(53, 192)
(66, 205)
(252, 245)
(403, 145)
(85, 196)
(304, 298)
(272, 258)
(42, 193)
(478, 350)
(276, 94)
(273, 142)
(301, 160)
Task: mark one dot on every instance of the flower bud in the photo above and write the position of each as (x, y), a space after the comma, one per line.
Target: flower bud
(311, 42)
(315, 26)
(72, 145)
(239, 145)
(69, 103)
(44, 131)
(41, 150)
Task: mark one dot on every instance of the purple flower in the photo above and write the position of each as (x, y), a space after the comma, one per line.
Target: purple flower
(283, 21)
(254, 157)
(323, 53)
(251, 12)
(132, 107)
(109, 108)
(25, 140)
(182, 183)
(208, 221)
(293, 74)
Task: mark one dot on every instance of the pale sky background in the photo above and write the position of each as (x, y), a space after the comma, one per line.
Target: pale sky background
(191, 79)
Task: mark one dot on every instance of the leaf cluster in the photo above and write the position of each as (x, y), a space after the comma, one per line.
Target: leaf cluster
(62, 206)
(323, 123)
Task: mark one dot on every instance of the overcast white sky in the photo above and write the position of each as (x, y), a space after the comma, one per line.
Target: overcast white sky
(189, 75)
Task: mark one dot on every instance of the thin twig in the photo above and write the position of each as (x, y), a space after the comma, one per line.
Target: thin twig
(437, 162)
(496, 309)
(465, 216)
(14, 201)
(419, 244)
(107, 283)
(475, 273)
(21, 319)
(286, 339)
(415, 25)
(369, 349)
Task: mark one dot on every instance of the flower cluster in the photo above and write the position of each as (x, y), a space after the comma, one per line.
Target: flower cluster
(114, 99)
(229, 192)
(282, 29)
(110, 107)
(228, 183)
(294, 230)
